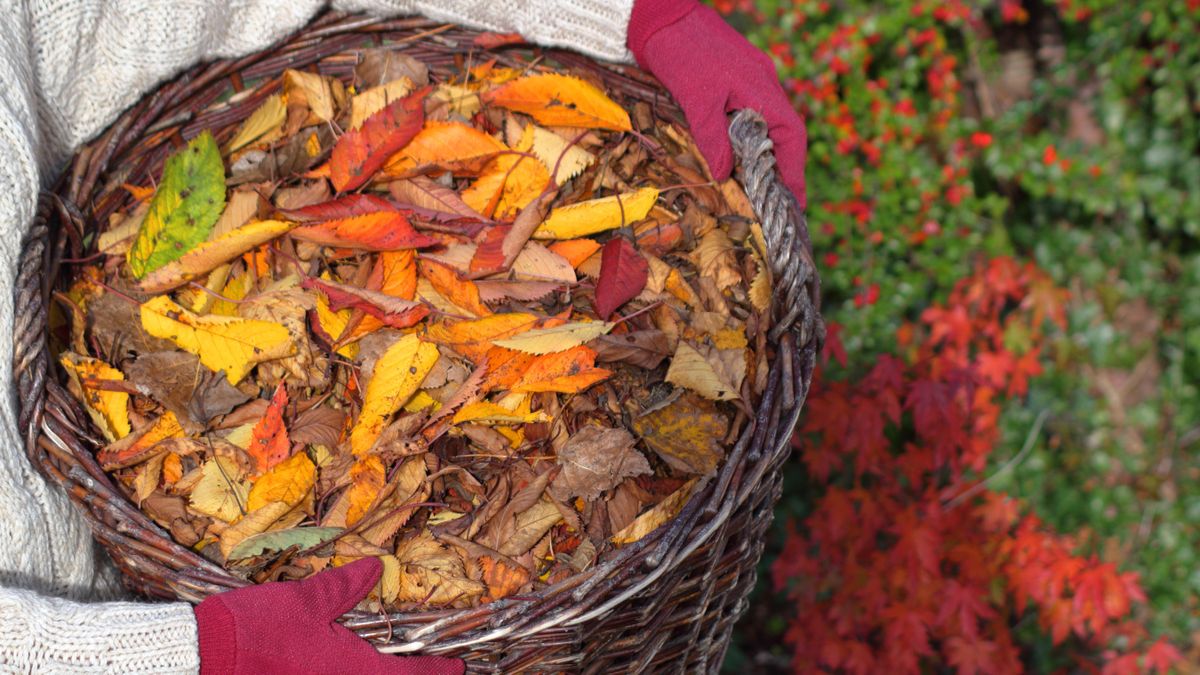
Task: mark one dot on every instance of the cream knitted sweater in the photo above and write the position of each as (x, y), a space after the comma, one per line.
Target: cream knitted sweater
(67, 68)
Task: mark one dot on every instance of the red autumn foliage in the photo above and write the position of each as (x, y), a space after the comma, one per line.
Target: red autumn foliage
(623, 275)
(908, 560)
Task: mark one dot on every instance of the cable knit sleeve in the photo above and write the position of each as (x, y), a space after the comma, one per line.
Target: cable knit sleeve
(41, 634)
(67, 68)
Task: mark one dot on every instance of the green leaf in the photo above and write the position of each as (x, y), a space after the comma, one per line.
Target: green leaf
(304, 537)
(184, 209)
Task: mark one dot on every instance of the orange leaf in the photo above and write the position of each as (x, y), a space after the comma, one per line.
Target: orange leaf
(459, 291)
(560, 100)
(505, 368)
(453, 146)
(367, 477)
(269, 444)
(508, 184)
(575, 250)
(379, 231)
(358, 154)
(567, 372)
(473, 339)
(395, 274)
(501, 578)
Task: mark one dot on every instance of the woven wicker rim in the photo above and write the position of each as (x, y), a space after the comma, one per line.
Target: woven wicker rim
(60, 439)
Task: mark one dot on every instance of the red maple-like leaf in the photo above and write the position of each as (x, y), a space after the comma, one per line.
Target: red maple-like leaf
(361, 152)
(1161, 656)
(623, 275)
(269, 444)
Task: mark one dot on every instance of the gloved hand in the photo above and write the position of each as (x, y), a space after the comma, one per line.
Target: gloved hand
(712, 70)
(289, 627)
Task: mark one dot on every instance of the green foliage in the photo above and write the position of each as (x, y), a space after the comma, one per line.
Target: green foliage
(921, 162)
(184, 208)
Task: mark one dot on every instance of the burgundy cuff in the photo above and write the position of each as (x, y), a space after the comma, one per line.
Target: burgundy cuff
(216, 636)
(651, 16)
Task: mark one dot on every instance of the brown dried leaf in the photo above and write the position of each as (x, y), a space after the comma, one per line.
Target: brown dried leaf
(596, 459)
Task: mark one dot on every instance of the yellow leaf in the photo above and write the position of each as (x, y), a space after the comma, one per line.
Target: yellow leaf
(761, 287)
(288, 482)
(373, 100)
(334, 324)
(655, 517)
(508, 184)
(389, 581)
(556, 151)
(322, 95)
(109, 410)
(222, 343)
(556, 339)
(686, 434)
(235, 289)
(211, 254)
(456, 99)
(398, 374)
(689, 369)
(433, 574)
(266, 122)
(221, 491)
(560, 100)
(483, 412)
(421, 401)
(597, 215)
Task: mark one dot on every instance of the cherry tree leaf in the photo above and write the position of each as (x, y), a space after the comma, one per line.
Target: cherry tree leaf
(597, 215)
(623, 274)
(269, 444)
(187, 204)
(398, 374)
(361, 152)
(556, 339)
(560, 100)
(231, 345)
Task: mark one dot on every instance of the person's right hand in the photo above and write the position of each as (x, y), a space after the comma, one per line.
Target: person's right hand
(290, 627)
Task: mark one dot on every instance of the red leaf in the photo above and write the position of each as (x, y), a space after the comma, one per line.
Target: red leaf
(623, 274)
(378, 231)
(346, 206)
(489, 254)
(269, 444)
(361, 152)
(493, 40)
(1161, 656)
(391, 311)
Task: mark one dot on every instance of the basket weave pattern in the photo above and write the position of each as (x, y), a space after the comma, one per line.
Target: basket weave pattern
(665, 603)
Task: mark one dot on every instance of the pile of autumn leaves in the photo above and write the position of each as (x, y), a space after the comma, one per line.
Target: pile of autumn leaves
(367, 322)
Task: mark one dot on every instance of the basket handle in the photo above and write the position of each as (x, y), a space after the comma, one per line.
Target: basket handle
(797, 289)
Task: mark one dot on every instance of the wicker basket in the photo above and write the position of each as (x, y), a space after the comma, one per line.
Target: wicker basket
(667, 602)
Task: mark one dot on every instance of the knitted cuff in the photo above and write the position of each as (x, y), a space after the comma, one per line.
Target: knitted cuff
(651, 16)
(216, 634)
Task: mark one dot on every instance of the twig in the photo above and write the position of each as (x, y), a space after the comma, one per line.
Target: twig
(1008, 466)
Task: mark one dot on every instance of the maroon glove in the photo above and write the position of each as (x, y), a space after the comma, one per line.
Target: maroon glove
(288, 627)
(712, 70)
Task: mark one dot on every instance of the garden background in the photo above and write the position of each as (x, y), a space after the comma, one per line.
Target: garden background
(999, 461)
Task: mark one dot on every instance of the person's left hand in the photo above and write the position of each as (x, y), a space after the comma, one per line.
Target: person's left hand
(291, 627)
(712, 70)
